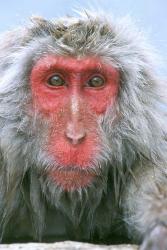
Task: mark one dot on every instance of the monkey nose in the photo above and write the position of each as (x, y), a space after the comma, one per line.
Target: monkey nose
(75, 135)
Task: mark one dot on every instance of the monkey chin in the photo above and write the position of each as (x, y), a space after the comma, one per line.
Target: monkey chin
(72, 179)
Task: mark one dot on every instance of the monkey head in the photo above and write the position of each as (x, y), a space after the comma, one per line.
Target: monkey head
(78, 104)
(73, 76)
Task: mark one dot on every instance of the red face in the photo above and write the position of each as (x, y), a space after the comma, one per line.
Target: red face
(72, 93)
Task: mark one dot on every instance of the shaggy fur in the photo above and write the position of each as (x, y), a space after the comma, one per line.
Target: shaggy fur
(130, 188)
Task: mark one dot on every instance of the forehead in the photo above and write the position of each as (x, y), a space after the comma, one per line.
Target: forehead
(69, 63)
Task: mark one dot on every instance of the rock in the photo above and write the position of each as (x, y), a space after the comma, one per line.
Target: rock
(66, 245)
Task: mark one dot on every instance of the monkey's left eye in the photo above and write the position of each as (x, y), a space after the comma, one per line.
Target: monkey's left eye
(96, 82)
(56, 81)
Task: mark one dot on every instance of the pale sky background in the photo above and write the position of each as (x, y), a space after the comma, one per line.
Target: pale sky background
(150, 15)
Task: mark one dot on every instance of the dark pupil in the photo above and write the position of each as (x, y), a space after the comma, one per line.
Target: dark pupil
(56, 81)
(96, 82)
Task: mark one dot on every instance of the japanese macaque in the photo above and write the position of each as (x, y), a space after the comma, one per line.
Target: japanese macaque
(83, 151)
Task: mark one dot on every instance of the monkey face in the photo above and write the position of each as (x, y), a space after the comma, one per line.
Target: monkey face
(72, 93)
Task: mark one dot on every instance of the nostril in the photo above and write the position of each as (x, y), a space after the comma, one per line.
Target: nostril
(75, 132)
(75, 138)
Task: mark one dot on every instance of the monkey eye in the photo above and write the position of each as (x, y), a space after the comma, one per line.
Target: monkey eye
(56, 81)
(96, 82)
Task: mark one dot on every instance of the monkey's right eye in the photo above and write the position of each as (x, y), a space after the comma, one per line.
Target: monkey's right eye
(56, 81)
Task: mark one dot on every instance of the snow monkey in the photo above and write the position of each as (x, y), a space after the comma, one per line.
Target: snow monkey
(83, 151)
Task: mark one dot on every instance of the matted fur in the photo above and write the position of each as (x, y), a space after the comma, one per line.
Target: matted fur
(133, 134)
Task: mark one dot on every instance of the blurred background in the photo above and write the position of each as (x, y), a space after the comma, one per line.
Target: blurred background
(150, 15)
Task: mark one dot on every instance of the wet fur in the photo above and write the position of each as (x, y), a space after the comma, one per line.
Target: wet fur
(132, 163)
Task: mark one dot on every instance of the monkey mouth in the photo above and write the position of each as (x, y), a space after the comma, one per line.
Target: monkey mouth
(72, 179)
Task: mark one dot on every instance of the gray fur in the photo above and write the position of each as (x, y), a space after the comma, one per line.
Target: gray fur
(133, 136)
